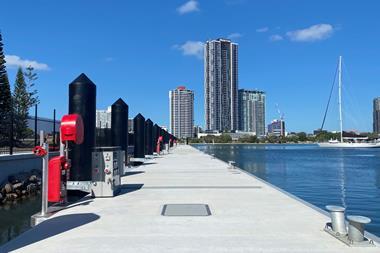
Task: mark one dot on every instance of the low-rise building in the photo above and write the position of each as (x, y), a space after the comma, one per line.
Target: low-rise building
(277, 127)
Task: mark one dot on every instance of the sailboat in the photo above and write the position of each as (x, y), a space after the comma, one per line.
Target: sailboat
(351, 142)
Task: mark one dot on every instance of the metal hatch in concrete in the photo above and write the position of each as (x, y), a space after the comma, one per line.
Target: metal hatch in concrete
(186, 210)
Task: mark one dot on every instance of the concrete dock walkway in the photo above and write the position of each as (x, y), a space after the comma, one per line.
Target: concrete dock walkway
(247, 215)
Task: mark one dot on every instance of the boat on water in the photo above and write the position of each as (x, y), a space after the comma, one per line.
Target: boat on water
(338, 144)
(345, 142)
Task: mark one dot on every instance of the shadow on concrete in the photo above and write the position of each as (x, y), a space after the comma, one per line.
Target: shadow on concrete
(148, 163)
(83, 202)
(128, 188)
(49, 228)
(131, 173)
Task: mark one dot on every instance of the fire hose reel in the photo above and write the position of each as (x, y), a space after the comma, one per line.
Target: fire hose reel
(39, 151)
(59, 167)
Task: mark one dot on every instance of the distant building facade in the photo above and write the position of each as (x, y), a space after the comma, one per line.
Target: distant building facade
(376, 115)
(221, 85)
(196, 131)
(103, 118)
(252, 111)
(130, 125)
(181, 101)
(277, 127)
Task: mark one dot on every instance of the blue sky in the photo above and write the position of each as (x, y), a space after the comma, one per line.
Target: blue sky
(139, 50)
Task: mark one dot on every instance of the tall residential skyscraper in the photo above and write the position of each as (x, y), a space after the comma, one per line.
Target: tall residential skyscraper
(376, 115)
(181, 112)
(252, 111)
(221, 85)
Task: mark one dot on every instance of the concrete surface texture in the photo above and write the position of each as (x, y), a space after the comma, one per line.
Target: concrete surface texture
(247, 215)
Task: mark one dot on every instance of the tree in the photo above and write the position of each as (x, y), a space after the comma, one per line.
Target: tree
(21, 105)
(31, 77)
(5, 98)
(224, 138)
(302, 136)
(249, 139)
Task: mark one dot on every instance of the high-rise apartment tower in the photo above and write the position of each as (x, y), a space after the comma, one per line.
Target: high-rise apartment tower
(252, 111)
(221, 85)
(376, 115)
(181, 112)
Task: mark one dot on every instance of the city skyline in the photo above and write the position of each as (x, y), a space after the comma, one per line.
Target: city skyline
(289, 49)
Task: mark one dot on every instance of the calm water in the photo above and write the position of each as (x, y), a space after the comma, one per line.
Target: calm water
(347, 177)
(15, 217)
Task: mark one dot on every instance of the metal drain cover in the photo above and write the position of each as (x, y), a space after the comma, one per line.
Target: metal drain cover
(186, 210)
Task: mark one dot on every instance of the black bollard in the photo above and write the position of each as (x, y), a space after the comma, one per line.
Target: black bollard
(119, 125)
(131, 143)
(162, 132)
(149, 137)
(166, 137)
(155, 137)
(139, 134)
(171, 140)
(82, 101)
(103, 137)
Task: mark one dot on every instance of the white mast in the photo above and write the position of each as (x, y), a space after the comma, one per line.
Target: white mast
(340, 98)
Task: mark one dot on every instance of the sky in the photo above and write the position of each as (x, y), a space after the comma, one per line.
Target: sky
(139, 50)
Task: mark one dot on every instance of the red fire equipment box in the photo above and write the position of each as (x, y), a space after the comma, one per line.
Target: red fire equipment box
(72, 128)
(57, 178)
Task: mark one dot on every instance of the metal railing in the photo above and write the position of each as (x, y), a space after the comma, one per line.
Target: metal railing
(10, 144)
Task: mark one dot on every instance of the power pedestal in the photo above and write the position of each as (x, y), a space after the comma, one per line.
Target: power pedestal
(107, 168)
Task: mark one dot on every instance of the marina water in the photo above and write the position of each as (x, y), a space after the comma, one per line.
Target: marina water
(15, 217)
(320, 176)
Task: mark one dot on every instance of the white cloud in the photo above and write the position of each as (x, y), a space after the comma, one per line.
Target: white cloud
(191, 48)
(234, 36)
(276, 37)
(109, 59)
(188, 7)
(16, 61)
(312, 33)
(262, 29)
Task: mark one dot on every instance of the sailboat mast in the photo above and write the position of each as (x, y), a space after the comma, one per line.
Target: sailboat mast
(340, 98)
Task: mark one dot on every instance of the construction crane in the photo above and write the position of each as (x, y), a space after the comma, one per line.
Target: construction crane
(282, 115)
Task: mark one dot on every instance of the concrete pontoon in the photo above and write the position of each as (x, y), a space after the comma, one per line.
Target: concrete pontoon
(236, 213)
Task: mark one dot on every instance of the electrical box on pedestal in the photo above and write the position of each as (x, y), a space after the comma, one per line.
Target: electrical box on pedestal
(107, 167)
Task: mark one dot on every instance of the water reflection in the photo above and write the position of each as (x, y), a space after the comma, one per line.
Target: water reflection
(342, 178)
(15, 217)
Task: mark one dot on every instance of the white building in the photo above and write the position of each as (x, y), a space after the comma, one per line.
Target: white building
(221, 85)
(103, 118)
(181, 102)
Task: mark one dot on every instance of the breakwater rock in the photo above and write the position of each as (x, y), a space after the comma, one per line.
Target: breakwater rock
(20, 185)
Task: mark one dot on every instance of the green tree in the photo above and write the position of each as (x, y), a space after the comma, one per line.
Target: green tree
(302, 136)
(224, 138)
(272, 139)
(248, 139)
(21, 104)
(31, 77)
(5, 98)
